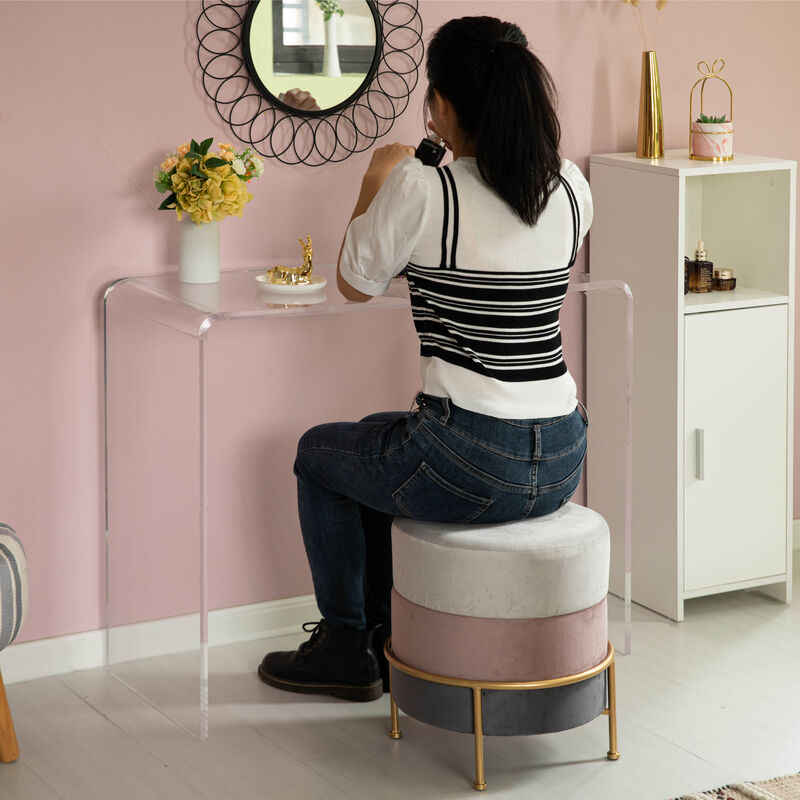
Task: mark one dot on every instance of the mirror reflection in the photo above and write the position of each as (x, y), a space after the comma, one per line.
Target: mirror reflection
(312, 55)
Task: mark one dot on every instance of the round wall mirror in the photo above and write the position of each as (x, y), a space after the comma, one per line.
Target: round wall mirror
(309, 56)
(309, 81)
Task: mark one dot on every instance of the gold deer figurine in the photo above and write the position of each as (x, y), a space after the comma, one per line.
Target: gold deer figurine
(295, 276)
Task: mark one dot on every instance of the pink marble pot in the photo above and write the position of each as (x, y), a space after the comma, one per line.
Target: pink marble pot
(712, 140)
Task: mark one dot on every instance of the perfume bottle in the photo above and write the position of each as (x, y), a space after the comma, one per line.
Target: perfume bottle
(701, 271)
(431, 150)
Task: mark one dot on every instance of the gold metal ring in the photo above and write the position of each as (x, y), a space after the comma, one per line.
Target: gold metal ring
(432, 677)
(710, 158)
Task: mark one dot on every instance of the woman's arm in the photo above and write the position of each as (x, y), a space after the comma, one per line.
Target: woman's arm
(383, 161)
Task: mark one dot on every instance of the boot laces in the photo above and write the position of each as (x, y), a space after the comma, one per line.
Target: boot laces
(315, 629)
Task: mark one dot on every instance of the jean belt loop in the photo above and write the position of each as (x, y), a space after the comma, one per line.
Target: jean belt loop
(446, 407)
(585, 412)
(537, 441)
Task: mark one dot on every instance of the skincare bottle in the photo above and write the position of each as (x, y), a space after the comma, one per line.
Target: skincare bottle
(724, 280)
(701, 271)
(686, 274)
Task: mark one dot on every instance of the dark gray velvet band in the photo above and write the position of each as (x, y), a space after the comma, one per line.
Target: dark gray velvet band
(505, 712)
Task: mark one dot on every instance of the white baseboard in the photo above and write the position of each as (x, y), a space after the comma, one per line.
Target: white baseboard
(44, 657)
(796, 534)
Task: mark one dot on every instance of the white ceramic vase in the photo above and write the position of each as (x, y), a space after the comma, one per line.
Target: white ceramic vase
(199, 251)
(330, 64)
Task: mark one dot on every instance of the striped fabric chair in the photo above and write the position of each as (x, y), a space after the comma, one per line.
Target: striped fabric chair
(13, 604)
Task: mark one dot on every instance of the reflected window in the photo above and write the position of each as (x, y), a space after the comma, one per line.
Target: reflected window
(296, 28)
(298, 37)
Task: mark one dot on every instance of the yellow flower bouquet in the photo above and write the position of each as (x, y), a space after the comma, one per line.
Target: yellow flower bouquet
(207, 186)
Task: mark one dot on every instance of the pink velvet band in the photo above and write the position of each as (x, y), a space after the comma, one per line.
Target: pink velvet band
(477, 648)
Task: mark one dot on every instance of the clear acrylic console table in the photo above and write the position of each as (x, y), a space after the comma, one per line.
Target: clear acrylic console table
(171, 399)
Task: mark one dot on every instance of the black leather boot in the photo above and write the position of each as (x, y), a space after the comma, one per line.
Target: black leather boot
(380, 634)
(335, 660)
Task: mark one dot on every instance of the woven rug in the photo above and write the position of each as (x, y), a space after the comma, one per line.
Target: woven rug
(787, 788)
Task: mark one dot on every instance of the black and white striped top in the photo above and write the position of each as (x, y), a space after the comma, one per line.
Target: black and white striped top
(486, 289)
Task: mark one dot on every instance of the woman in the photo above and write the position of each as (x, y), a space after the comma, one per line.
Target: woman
(487, 243)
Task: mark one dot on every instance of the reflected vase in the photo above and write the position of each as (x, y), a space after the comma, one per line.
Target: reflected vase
(330, 64)
(650, 137)
(198, 251)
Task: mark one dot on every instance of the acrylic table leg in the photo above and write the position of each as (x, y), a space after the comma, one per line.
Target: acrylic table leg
(477, 715)
(584, 283)
(203, 433)
(613, 753)
(628, 462)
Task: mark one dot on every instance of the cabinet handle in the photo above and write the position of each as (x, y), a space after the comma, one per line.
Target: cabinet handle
(699, 454)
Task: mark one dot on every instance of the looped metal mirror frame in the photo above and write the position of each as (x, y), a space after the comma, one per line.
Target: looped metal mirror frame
(276, 130)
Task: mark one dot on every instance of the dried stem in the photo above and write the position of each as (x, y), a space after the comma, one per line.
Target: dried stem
(644, 27)
(655, 28)
(638, 15)
(639, 22)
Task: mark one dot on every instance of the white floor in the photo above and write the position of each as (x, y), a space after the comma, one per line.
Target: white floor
(712, 700)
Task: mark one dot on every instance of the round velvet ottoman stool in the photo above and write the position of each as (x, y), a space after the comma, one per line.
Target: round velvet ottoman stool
(502, 630)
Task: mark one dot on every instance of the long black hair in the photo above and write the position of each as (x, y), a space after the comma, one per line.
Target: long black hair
(504, 100)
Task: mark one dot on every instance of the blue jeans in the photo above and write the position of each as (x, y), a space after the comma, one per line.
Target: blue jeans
(438, 463)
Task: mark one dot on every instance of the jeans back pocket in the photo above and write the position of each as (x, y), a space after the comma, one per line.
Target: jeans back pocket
(426, 495)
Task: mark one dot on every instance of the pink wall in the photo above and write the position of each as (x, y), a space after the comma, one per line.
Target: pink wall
(95, 92)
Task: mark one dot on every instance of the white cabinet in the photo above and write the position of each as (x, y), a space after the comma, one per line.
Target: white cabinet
(713, 377)
(735, 447)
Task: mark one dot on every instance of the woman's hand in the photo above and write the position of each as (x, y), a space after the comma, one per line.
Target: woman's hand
(297, 98)
(384, 160)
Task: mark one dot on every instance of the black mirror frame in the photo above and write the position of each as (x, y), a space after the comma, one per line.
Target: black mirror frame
(260, 120)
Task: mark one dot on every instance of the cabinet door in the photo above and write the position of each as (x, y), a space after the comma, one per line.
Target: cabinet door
(735, 424)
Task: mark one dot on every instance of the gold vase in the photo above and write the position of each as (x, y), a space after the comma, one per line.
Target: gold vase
(650, 139)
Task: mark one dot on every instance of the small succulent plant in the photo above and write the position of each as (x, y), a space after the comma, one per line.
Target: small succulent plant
(715, 120)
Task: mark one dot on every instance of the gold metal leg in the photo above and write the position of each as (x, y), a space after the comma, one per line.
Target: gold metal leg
(477, 720)
(613, 753)
(395, 732)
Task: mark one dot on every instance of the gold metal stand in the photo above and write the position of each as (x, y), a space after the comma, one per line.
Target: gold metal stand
(477, 706)
(707, 73)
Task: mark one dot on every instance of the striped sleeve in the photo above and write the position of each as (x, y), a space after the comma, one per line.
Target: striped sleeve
(379, 243)
(13, 585)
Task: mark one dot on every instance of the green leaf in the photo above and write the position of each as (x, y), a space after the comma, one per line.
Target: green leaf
(164, 186)
(196, 172)
(216, 162)
(205, 144)
(711, 119)
(194, 147)
(169, 202)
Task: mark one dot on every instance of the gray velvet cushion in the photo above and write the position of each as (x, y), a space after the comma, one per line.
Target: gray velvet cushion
(506, 712)
(540, 567)
(13, 585)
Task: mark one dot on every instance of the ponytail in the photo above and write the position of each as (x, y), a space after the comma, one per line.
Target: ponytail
(504, 100)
